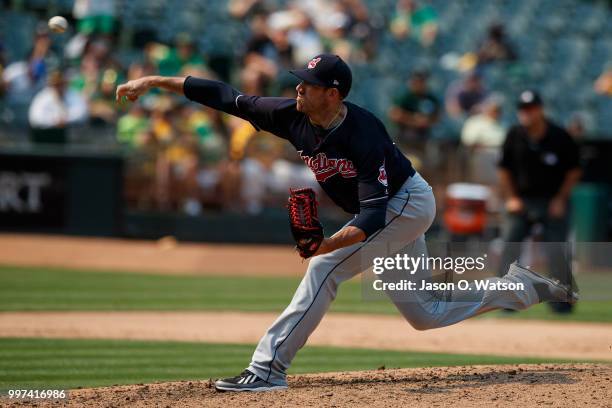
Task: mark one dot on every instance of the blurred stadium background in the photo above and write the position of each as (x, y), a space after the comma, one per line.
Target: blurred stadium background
(168, 167)
(164, 167)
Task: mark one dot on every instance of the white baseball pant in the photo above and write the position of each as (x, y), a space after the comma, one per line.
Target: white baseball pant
(409, 214)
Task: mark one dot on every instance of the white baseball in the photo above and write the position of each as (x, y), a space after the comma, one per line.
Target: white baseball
(58, 24)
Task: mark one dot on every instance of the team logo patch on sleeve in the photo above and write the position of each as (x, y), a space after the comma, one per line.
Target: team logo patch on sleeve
(382, 175)
(313, 63)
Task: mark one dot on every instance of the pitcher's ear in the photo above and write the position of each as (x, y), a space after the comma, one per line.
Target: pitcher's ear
(335, 91)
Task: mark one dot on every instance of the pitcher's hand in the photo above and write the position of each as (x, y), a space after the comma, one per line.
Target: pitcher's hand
(133, 89)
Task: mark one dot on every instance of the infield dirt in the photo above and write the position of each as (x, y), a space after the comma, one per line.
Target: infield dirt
(577, 385)
(165, 256)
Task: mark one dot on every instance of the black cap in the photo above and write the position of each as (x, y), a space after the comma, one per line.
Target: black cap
(327, 70)
(528, 98)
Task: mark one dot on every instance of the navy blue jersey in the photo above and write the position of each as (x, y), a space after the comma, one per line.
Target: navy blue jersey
(356, 163)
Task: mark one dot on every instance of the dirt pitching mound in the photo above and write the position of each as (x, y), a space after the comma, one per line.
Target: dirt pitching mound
(473, 386)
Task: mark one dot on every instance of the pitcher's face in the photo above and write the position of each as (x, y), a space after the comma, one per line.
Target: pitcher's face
(312, 98)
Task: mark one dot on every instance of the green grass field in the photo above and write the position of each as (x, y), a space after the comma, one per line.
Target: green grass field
(58, 363)
(57, 289)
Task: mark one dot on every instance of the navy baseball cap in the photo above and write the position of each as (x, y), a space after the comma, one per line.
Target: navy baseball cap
(327, 70)
(528, 99)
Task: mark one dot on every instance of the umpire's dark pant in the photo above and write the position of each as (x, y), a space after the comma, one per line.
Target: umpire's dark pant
(517, 226)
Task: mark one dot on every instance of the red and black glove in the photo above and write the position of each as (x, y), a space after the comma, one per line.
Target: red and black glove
(304, 221)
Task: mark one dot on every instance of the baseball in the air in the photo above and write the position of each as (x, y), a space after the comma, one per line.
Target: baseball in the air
(58, 24)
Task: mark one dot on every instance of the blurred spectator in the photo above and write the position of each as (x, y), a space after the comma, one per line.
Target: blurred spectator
(335, 35)
(141, 186)
(95, 16)
(496, 46)
(484, 130)
(241, 9)
(266, 174)
(199, 122)
(41, 57)
(415, 111)
(483, 135)
(577, 126)
(251, 81)
(358, 29)
(258, 152)
(139, 69)
(304, 39)
(322, 12)
(344, 26)
(261, 55)
(283, 47)
(102, 106)
(360, 19)
(96, 80)
(417, 21)
(161, 119)
(96, 62)
(178, 168)
(175, 154)
(22, 79)
(603, 84)
(162, 136)
(176, 59)
(54, 109)
(462, 97)
(538, 168)
(18, 83)
(259, 42)
(211, 149)
(131, 128)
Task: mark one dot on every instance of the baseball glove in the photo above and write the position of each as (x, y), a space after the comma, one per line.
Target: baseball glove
(304, 221)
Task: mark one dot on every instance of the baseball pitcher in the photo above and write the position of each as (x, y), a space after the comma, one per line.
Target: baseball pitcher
(358, 166)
